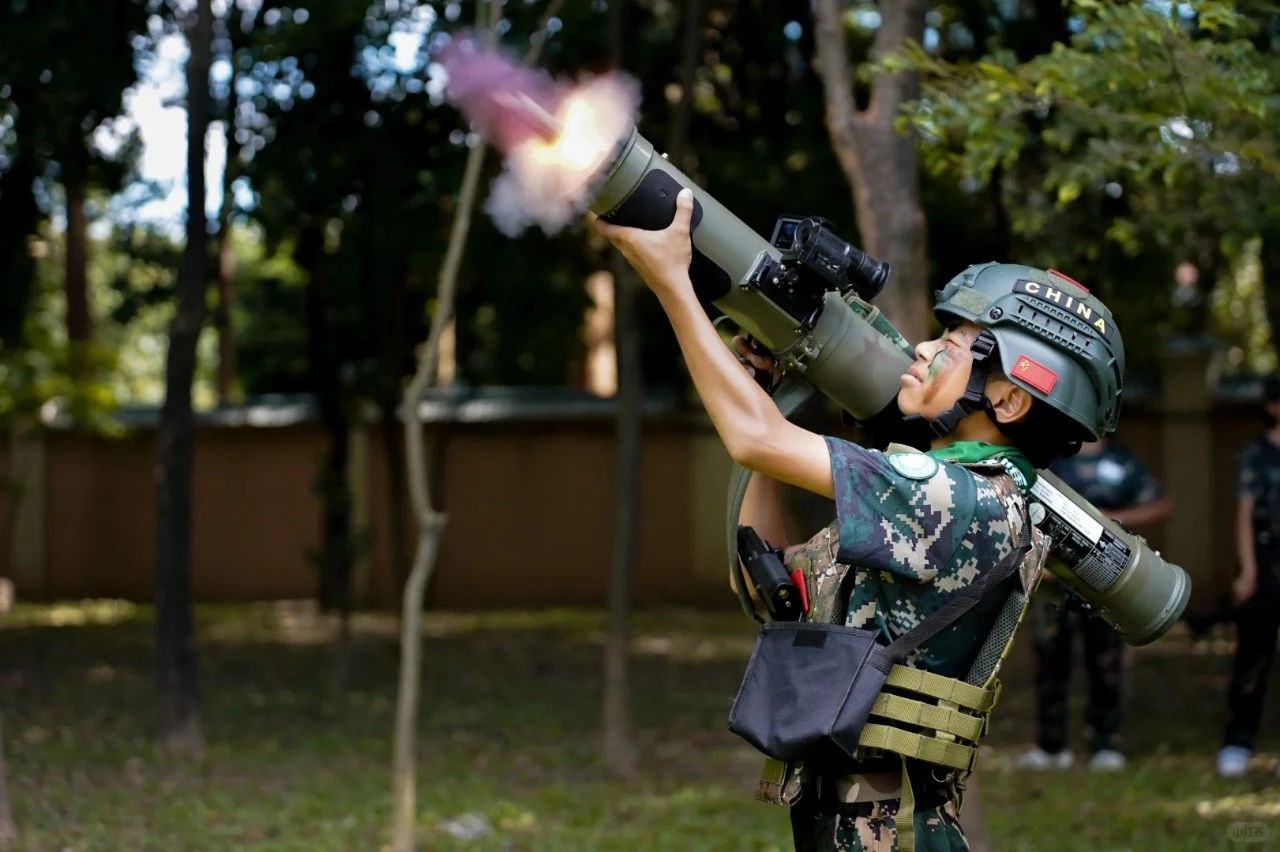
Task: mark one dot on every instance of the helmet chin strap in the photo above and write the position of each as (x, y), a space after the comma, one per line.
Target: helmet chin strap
(975, 396)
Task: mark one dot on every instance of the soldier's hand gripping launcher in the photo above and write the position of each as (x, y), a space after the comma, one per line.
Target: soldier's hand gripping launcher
(805, 295)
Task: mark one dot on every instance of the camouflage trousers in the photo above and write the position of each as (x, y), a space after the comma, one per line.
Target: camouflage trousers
(869, 827)
(1056, 625)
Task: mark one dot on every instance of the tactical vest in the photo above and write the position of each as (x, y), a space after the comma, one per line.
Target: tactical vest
(920, 716)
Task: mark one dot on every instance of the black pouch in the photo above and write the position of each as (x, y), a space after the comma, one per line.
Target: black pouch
(809, 688)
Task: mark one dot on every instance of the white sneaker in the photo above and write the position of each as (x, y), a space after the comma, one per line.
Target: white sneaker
(1106, 760)
(1233, 761)
(1039, 760)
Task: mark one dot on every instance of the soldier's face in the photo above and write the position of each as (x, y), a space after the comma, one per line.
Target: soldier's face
(936, 380)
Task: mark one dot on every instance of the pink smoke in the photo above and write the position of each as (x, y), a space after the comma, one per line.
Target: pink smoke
(477, 74)
(546, 180)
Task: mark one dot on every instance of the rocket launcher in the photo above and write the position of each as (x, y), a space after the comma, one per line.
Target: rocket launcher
(806, 295)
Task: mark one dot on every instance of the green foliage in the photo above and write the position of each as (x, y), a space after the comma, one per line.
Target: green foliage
(1149, 137)
(1145, 136)
(271, 339)
(1238, 312)
(51, 102)
(37, 378)
(336, 148)
(1150, 98)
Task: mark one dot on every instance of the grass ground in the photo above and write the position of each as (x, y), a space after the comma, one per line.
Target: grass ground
(509, 741)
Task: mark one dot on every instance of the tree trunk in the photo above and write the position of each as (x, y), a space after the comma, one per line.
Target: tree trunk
(879, 161)
(1270, 257)
(175, 634)
(333, 582)
(79, 324)
(430, 521)
(690, 50)
(384, 298)
(618, 739)
(397, 487)
(8, 830)
(18, 217)
(883, 168)
(226, 256)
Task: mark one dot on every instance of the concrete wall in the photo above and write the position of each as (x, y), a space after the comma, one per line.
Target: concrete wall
(530, 504)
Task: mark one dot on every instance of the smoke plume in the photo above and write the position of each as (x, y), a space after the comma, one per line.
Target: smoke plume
(548, 168)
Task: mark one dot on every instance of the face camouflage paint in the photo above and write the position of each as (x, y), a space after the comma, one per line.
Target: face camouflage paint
(937, 365)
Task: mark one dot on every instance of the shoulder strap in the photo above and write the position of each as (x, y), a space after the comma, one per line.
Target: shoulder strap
(964, 600)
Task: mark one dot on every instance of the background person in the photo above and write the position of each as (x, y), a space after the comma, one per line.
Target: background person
(1117, 482)
(1256, 590)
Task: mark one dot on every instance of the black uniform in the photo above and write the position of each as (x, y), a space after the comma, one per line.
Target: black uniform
(1258, 619)
(1113, 478)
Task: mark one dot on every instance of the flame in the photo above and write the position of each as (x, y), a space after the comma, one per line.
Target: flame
(590, 127)
(545, 182)
(548, 182)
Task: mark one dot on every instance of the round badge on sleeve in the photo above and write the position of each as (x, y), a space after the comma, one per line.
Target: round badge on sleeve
(914, 465)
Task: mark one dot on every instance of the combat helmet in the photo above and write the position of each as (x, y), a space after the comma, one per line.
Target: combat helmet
(1056, 340)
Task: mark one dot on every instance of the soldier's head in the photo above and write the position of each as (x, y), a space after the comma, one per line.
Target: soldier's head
(1027, 353)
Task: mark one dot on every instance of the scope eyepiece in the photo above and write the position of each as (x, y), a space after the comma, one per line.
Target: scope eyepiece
(867, 275)
(810, 242)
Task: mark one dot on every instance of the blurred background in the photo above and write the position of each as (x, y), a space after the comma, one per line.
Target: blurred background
(206, 522)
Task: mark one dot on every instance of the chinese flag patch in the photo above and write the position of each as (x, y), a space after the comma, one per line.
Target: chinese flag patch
(1035, 374)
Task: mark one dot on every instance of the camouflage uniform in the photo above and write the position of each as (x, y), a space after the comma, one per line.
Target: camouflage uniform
(1112, 478)
(1258, 620)
(912, 533)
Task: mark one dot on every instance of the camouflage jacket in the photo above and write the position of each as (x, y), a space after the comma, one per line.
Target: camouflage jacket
(911, 530)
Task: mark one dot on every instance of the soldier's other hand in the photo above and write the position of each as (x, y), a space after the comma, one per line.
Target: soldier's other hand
(1244, 588)
(753, 361)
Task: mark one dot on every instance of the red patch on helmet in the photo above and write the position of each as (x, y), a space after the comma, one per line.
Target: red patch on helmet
(1035, 374)
(1068, 279)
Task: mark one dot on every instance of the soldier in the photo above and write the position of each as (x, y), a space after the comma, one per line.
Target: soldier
(1256, 590)
(1117, 482)
(1003, 394)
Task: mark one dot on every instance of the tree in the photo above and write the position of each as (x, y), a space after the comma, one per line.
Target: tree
(1145, 138)
(8, 830)
(617, 740)
(60, 98)
(310, 151)
(878, 158)
(430, 520)
(175, 633)
(334, 137)
(231, 35)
